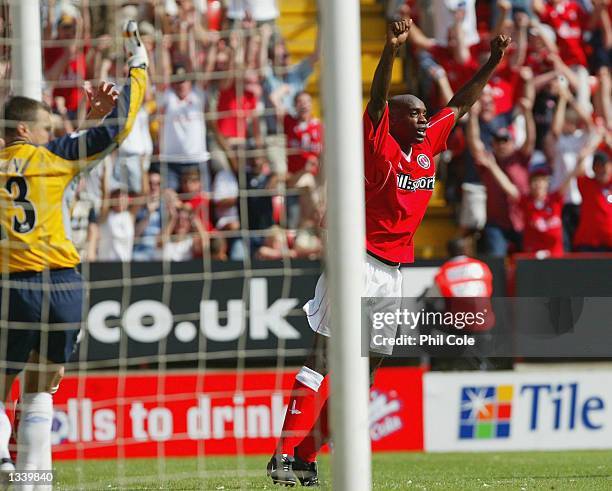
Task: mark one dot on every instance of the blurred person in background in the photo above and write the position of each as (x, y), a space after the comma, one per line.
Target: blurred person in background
(133, 157)
(570, 22)
(218, 248)
(261, 11)
(149, 222)
(192, 193)
(444, 14)
(282, 81)
(600, 61)
(183, 238)
(463, 285)
(236, 125)
(275, 245)
(117, 219)
(594, 233)
(225, 193)
(182, 144)
(264, 183)
(541, 209)
(71, 58)
(304, 135)
(504, 219)
(569, 132)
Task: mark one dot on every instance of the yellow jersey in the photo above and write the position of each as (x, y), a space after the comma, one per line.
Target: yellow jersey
(34, 219)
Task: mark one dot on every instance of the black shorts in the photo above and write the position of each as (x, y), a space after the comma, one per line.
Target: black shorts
(600, 55)
(40, 312)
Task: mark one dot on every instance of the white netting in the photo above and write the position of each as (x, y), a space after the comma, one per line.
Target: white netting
(199, 236)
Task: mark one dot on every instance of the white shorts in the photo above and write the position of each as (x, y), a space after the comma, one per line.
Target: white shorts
(381, 283)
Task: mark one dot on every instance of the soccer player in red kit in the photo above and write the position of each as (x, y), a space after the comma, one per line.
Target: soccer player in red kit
(400, 143)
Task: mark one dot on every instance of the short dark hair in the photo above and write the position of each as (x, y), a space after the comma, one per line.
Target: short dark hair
(601, 158)
(457, 247)
(300, 93)
(19, 108)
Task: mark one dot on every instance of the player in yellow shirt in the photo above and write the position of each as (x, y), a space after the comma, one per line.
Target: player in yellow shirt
(41, 295)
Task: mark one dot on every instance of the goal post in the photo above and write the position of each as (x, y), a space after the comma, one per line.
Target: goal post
(27, 56)
(342, 90)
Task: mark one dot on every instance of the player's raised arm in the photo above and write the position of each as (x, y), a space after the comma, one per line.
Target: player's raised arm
(467, 95)
(397, 34)
(88, 147)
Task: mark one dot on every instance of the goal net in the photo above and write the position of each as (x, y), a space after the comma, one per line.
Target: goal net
(200, 240)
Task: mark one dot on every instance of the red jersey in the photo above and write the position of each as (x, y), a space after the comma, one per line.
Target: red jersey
(467, 285)
(458, 73)
(200, 204)
(235, 111)
(304, 141)
(595, 227)
(72, 77)
(502, 211)
(538, 61)
(543, 227)
(398, 186)
(568, 19)
(504, 85)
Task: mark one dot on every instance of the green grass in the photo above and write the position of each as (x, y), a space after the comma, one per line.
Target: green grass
(585, 470)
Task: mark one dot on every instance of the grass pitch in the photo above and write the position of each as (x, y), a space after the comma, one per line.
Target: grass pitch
(585, 470)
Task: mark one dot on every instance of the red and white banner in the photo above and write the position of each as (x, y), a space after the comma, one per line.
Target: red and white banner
(219, 413)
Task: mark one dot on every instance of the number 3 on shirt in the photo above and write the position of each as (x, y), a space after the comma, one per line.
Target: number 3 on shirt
(19, 184)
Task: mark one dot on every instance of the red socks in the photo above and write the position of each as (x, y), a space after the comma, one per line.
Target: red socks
(318, 436)
(308, 395)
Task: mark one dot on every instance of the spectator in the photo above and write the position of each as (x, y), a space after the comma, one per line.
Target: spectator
(504, 219)
(304, 146)
(183, 129)
(453, 56)
(149, 222)
(282, 82)
(275, 246)
(71, 59)
(308, 243)
(183, 238)
(225, 194)
(261, 11)
(218, 249)
(594, 233)
(541, 209)
(225, 203)
(568, 134)
(236, 107)
(116, 223)
(260, 177)
(261, 184)
(191, 193)
(117, 219)
(601, 60)
(570, 21)
(134, 154)
(444, 13)
(66, 65)
(83, 221)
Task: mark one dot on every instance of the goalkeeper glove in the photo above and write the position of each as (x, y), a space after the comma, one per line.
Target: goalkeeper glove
(137, 54)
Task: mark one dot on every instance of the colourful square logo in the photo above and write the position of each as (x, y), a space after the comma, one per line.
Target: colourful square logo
(485, 412)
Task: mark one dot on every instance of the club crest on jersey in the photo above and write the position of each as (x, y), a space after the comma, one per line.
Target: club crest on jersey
(423, 161)
(405, 182)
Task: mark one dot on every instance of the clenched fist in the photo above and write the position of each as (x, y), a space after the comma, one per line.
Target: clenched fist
(499, 44)
(397, 32)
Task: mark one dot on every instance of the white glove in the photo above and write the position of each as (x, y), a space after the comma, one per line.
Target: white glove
(136, 52)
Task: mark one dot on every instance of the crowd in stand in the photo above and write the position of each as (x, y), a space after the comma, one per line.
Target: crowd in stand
(530, 169)
(225, 158)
